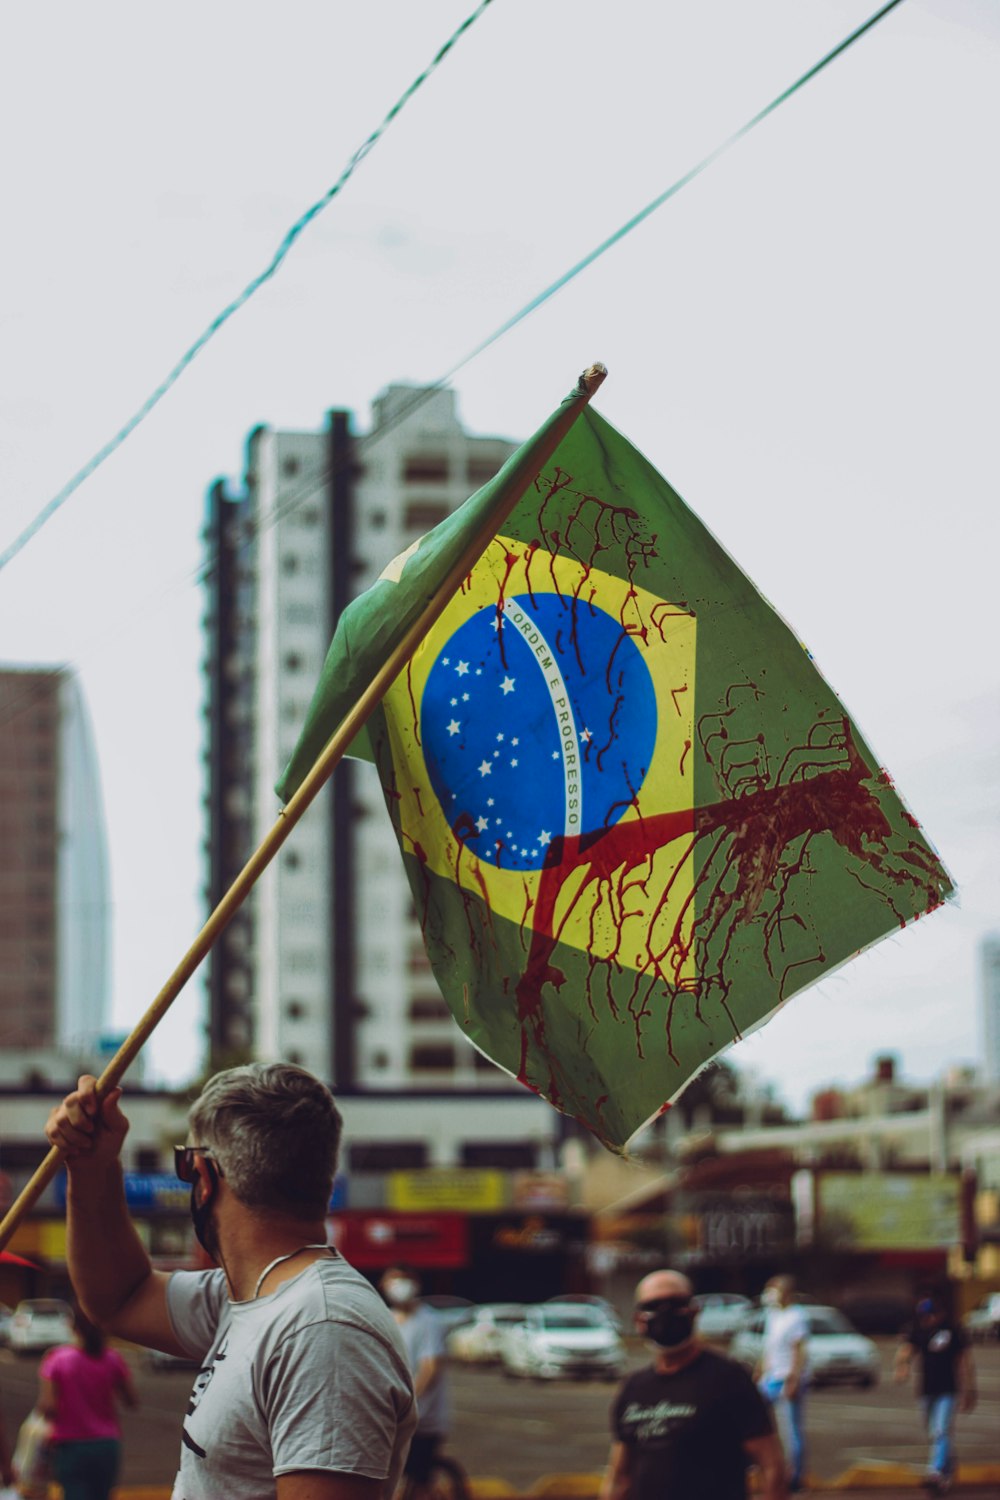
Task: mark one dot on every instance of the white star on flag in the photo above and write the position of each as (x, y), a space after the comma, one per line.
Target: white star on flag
(482, 824)
(462, 669)
(485, 768)
(454, 727)
(507, 686)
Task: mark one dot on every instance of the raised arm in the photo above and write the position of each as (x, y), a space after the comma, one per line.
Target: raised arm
(111, 1273)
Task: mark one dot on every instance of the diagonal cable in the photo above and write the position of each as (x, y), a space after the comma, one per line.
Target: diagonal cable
(153, 400)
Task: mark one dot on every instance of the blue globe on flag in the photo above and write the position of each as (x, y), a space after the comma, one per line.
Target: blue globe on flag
(533, 728)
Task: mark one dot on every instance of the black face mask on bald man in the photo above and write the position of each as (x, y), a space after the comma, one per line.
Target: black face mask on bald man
(670, 1320)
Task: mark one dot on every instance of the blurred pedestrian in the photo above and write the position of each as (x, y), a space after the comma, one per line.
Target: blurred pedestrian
(687, 1426)
(783, 1370)
(947, 1382)
(79, 1386)
(424, 1342)
(304, 1391)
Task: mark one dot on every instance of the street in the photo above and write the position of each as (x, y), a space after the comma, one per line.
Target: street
(520, 1431)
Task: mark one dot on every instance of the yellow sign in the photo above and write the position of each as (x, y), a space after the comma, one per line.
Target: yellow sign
(464, 1189)
(889, 1210)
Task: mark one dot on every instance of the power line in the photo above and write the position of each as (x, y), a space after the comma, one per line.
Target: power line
(290, 502)
(58, 500)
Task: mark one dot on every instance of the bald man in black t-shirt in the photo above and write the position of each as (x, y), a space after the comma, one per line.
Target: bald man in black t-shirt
(687, 1426)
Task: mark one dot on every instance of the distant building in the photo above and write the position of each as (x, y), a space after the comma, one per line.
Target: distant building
(325, 965)
(54, 907)
(990, 976)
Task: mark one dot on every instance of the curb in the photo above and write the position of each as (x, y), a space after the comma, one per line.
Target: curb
(868, 1477)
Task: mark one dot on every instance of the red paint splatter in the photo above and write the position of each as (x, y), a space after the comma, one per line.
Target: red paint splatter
(756, 844)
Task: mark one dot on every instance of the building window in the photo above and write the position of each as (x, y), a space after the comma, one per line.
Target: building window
(424, 515)
(293, 662)
(426, 468)
(295, 1010)
(290, 467)
(432, 1057)
(511, 1155)
(480, 470)
(385, 1156)
(293, 860)
(376, 520)
(428, 1009)
(309, 516)
(289, 563)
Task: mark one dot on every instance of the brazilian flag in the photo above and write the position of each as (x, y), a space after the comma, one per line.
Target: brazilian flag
(634, 817)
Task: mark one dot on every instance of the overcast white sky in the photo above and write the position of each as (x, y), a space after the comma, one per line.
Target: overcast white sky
(804, 342)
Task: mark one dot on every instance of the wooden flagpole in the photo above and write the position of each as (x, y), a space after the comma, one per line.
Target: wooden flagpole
(323, 768)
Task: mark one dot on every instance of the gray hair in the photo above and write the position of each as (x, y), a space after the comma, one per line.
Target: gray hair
(275, 1131)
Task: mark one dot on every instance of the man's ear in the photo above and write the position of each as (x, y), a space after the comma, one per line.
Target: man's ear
(207, 1176)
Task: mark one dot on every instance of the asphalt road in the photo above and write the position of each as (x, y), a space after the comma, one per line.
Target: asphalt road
(520, 1431)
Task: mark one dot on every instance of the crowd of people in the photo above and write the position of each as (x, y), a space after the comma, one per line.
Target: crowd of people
(313, 1384)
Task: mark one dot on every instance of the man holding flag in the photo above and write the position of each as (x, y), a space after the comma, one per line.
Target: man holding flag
(304, 1391)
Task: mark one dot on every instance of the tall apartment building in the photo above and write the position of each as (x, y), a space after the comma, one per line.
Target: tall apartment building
(325, 965)
(990, 979)
(54, 904)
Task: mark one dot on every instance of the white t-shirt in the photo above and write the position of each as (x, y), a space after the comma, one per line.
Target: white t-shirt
(784, 1327)
(313, 1376)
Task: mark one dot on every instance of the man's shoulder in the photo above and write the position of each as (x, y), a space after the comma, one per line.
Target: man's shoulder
(334, 1293)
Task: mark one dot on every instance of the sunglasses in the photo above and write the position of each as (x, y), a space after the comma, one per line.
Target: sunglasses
(184, 1161)
(675, 1304)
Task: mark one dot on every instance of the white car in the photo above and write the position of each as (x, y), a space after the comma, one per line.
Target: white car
(983, 1322)
(478, 1341)
(39, 1324)
(721, 1314)
(563, 1339)
(834, 1350)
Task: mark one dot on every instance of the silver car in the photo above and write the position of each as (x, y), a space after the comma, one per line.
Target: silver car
(39, 1324)
(563, 1339)
(721, 1314)
(835, 1351)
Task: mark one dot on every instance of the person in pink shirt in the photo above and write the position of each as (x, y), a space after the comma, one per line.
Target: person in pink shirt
(79, 1385)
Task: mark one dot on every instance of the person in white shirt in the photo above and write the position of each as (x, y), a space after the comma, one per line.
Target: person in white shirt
(782, 1374)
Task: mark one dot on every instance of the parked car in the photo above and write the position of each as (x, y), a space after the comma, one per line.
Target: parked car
(450, 1311)
(477, 1342)
(40, 1323)
(983, 1322)
(834, 1350)
(563, 1339)
(584, 1299)
(721, 1314)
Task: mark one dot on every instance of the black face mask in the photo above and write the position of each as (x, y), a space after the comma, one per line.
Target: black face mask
(670, 1324)
(201, 1216)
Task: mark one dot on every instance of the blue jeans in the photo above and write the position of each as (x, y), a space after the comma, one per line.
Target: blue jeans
(939, 1413)
(789, 1413)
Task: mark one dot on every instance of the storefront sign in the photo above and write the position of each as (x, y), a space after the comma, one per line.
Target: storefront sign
(889, 1210)
(466, 1189)
(372, 1241)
